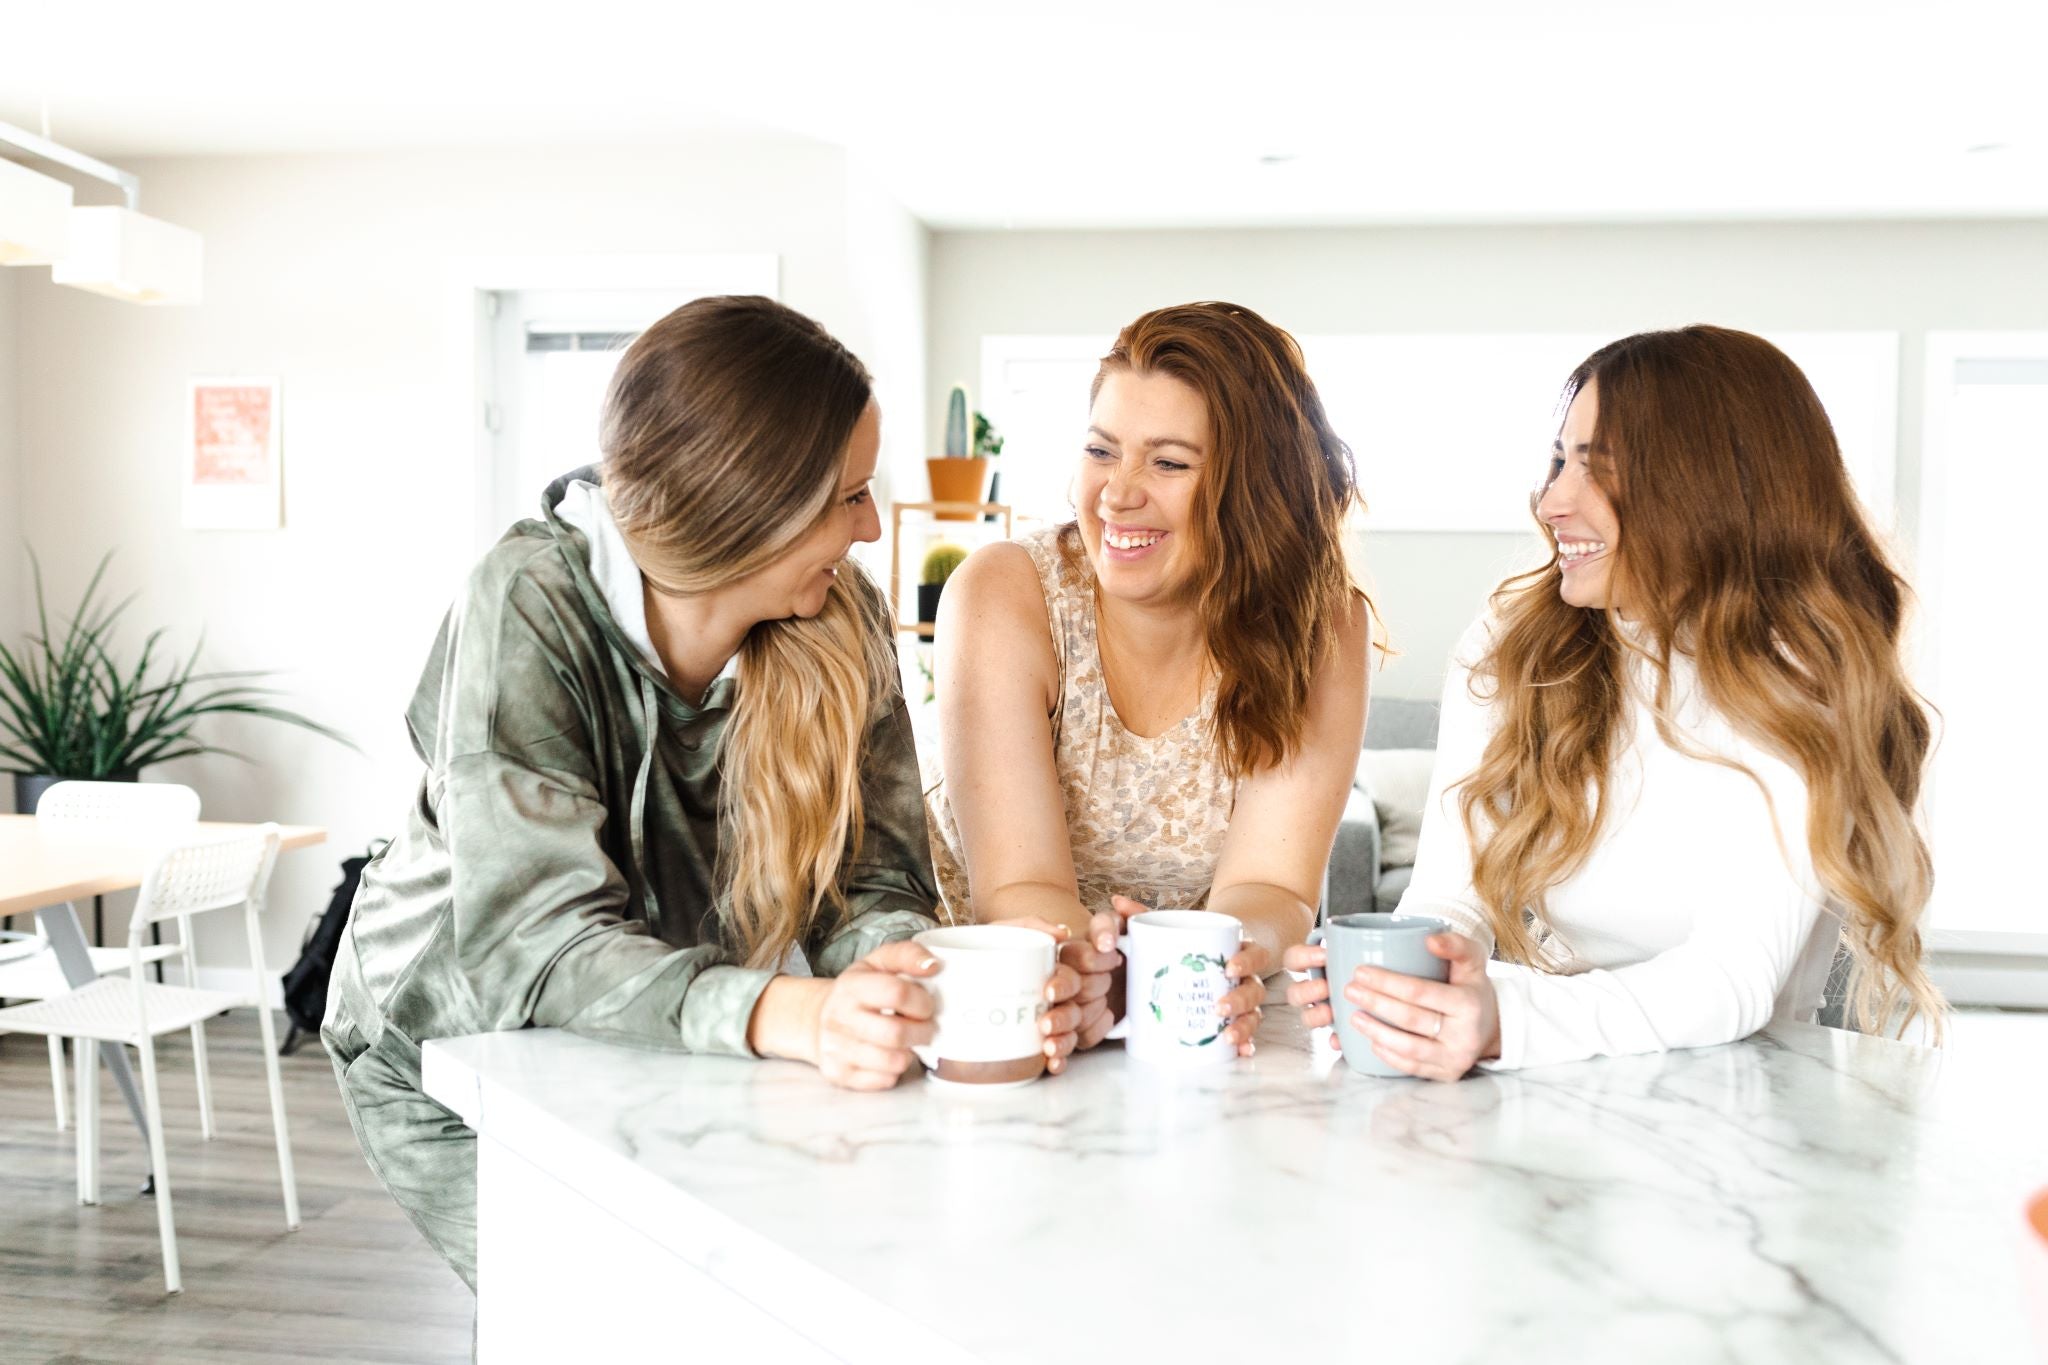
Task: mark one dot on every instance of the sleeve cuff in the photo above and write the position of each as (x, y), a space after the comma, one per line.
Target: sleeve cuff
(1511, 999)
(718, 1008)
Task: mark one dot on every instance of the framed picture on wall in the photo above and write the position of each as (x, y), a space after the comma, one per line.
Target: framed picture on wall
(234, 455)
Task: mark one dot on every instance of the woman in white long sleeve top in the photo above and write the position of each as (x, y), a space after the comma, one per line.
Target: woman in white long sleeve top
(1678, 764)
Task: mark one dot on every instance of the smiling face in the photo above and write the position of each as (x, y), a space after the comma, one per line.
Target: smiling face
(1577, 509)
(1148, 441)
(796, 583)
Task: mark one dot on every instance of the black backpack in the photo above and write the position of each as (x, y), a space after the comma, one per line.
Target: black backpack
(305, 985)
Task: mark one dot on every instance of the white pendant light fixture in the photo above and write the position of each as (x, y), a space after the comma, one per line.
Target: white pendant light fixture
(130, 256)
(111, 250)
(33, 212)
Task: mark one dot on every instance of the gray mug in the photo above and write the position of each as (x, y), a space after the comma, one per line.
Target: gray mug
(1395, 942)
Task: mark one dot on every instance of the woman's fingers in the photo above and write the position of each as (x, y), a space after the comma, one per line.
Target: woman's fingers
(1306, 993)
(1242, 1030)
(1243, 999)
(904, 956)
(1317, 1016)
(1424, 1023)
(880, 992)
(1303, 956)
(1096, 1022)
(852, 1054)
(1415, 990)
(1064, 985)
(1060, 1022)
(1404, 1051)
(1102, 931)
(1251, 959)
(1086, 958)
(882, 1030)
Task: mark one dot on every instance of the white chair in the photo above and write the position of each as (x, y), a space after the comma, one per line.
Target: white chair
(190, 880)
(160, 807)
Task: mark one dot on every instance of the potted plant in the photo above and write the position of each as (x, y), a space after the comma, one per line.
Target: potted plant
(960, 475)
(988, 444)
(939, 562)
(68, 710)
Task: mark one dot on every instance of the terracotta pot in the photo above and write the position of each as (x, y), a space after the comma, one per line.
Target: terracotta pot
(958, 480)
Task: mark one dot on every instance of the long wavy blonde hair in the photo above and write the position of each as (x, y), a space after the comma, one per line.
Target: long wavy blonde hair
(724, 438)
(1742, 547)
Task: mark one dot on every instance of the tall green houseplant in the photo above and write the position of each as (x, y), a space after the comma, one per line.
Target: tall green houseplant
(68, 709)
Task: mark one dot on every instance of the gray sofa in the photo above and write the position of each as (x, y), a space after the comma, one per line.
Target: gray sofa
(1356, 882)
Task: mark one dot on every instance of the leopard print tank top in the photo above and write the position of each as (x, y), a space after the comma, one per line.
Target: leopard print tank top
(1145, 817)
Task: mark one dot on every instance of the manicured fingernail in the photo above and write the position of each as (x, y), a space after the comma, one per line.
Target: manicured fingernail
(1105, 944)
(1051, 994)
(1062, 931)
(1251, 1049)
(927, 964)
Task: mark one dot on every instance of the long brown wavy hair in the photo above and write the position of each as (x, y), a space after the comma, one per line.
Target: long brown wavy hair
(724, 437)
(1268, 517)
(1740, 546)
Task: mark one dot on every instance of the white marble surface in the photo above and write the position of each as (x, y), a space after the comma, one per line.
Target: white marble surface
(1806, 1196)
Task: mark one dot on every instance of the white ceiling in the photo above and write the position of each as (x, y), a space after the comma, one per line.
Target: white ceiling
(1061, 113)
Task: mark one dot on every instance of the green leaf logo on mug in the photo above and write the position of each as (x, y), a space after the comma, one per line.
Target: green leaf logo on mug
(1184, 996)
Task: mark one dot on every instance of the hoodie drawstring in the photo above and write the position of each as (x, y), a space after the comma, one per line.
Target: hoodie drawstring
(650, 721)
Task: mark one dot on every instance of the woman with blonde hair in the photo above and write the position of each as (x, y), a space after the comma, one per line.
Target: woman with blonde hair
(1160, 703)
(1679, 763)
(670, 795)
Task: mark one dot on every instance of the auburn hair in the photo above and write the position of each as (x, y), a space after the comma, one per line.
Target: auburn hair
(1741, 547)
(1267, 525)
(724, 438)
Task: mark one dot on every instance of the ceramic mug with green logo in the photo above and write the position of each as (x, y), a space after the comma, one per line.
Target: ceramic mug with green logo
(1174, 978)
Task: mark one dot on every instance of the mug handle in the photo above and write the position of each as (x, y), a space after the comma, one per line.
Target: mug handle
(1121, 1029)
(1315, 940)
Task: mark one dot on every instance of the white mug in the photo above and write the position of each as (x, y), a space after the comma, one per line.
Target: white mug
(1173, 981)
(990, 995)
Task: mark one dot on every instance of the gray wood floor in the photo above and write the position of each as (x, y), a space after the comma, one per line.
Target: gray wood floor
(79, 1285)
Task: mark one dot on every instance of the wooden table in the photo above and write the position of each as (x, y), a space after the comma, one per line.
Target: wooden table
(45, 866)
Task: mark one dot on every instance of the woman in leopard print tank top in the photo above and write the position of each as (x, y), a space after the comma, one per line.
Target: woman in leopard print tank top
(1161, 702)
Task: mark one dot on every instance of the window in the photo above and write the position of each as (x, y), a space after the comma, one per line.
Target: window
(1984, 486)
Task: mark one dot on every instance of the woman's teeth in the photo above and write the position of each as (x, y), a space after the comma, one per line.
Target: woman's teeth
(1572, 551)
(1121, 540)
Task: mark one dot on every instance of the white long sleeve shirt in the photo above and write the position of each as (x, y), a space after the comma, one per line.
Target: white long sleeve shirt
(1691, 922)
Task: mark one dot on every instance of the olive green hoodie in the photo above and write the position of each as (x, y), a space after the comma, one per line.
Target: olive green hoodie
(557, 868)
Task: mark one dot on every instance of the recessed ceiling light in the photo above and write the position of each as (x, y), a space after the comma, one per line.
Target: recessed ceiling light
(1276, 158)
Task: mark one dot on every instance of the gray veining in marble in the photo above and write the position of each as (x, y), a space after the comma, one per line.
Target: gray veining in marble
(1808, 1195)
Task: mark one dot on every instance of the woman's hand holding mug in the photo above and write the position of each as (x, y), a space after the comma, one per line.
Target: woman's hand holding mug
(1065, 1022)
(870, 1016)
(1437, 1030)
(1098, 962)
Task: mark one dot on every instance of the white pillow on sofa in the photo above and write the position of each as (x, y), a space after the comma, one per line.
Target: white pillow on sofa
(1398, 781)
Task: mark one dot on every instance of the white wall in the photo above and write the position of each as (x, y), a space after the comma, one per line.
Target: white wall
(334, 273)
(887, 259)
(1905, 277)
(13, 562)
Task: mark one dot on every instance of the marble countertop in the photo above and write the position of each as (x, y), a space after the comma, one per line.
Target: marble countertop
(1808, 1195)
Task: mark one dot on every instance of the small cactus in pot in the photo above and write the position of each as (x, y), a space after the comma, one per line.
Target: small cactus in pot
(939, 562)
(961, 474)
